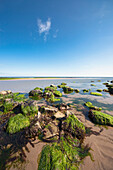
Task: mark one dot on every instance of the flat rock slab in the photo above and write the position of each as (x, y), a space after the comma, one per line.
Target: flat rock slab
(59, 115)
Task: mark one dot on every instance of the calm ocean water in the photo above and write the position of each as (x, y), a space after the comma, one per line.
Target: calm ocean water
(105, 101)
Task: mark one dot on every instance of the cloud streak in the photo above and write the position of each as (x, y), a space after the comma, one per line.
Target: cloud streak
(44, 27)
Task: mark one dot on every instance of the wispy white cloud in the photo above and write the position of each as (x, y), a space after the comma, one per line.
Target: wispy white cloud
(44, 27)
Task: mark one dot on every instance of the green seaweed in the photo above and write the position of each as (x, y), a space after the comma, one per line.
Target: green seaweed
(16, 123)
(63, 83)
(96, 94)
(29, 110)
(38, 88)
(57, 93)
(90, 105)
(99, 90)
(101, 118)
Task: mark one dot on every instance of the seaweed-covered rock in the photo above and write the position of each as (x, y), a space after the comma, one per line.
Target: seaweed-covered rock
(29, 108)
(17, 123)
(63, 83)
(93, 85)
(99, 90)
(35, 92)
(75, 127)
(85, 90)
(96, 94)
(76, 90)
(51, 88)
(47, 94)
(105, 83)
(90, 105)
(57, 93)
(38, 88)
(52, 99)
(110, 90)
(67, 89)
(61, 86)
(8, 106)
(105, 90)
(100, 118)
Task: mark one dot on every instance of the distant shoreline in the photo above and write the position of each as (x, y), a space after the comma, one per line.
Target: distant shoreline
(47, 78)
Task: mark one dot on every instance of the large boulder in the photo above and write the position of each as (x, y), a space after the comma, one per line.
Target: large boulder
(100, 118)
(17, 123)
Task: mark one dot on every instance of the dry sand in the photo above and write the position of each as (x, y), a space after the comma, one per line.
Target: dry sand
(48, 78)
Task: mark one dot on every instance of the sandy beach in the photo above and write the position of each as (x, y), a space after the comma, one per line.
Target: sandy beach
(100, 140)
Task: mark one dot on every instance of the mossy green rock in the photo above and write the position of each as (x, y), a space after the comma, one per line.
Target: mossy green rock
(85, 90)
(76, 90)
(93, 85)
(67, 89)
(100, 118)
(99, 90)
(57, 93)
(38, 88)
(29, 108)
(35, 92)
(74, 127)
(51, 88)
(90, 105)
(16, 123)
(63, 84)
(96, 94)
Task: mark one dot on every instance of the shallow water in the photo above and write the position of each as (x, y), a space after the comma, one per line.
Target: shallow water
(105, 101)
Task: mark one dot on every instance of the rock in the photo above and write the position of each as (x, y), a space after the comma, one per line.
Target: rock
(51, 109)
(67, 89)
(63, 106)
(76, 90)
(39, 114)
(50, 130)
(59, 115)
(5, 92)
(68, 113)
(105, 90)
(38, 124)
(30, 107)
(52, 85)
(100, 118)
(35, 92)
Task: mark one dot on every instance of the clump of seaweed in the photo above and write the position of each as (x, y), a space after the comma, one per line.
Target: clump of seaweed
(100, 118)
(96, 94)
(17, 123)
(90, 106)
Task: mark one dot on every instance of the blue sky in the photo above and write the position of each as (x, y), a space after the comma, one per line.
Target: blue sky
(56, 38)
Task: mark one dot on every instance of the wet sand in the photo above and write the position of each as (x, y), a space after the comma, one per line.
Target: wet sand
(100, 139)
